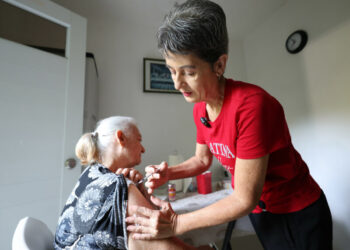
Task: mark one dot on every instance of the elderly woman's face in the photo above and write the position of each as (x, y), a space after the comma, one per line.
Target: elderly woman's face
(134, 147)
(192, 76)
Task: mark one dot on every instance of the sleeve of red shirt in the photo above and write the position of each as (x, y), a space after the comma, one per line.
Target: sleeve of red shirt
(261, 125)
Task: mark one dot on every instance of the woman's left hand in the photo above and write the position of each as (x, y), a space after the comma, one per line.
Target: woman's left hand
(130, 173)
(151, 224)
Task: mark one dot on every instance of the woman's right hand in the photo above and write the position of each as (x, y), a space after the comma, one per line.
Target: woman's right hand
(160, 176)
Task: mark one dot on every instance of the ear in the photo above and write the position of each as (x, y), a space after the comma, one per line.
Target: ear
(220, 65)
(120, 137)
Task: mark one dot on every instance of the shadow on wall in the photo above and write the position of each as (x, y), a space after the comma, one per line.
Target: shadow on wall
(327, 145)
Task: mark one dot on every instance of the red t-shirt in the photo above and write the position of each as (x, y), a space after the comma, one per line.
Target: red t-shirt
(252, 124)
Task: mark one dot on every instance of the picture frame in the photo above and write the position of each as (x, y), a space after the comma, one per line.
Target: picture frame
(157, 77)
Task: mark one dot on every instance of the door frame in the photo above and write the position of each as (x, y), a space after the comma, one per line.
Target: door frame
(75, 81)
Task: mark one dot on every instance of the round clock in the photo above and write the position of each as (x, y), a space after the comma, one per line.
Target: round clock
(296, 41)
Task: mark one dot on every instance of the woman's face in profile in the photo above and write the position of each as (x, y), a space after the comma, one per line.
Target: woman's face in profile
(192, 76)
(134, 147)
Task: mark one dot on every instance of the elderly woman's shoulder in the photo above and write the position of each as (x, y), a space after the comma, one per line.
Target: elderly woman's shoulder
(99, 175)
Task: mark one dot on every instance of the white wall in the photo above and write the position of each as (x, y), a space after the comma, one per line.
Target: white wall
(314, 87)
(120, 42)
(165, 120)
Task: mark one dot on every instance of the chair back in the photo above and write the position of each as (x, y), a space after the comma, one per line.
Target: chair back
(32, 234)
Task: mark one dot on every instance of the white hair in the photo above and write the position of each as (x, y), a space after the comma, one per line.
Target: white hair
(105, 129)
(91, 147)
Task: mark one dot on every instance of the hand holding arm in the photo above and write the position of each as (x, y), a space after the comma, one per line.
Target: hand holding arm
(147, 224)
(249, 181)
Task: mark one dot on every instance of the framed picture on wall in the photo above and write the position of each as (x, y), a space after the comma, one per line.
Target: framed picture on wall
(157, 77)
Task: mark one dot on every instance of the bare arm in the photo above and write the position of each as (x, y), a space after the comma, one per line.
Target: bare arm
(195, 165)
(136, 198)
(249, 180)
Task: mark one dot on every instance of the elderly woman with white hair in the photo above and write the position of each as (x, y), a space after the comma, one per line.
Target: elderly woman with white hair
(95, 212)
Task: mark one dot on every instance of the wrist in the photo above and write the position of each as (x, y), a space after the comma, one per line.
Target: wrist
(178, 229)
(170, 173)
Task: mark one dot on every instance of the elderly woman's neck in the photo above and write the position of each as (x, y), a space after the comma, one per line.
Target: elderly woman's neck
(110, 163)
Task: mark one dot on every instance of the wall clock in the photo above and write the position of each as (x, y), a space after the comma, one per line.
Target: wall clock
(296, 41)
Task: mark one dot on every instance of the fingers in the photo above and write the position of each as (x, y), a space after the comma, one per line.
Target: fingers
(159, 176)
(119, 170)
(150, 190)
(135, 175)
(123, 171)
(138, 236)
(139, 221)
(156, 168)
(126, 172)
(138, 229)
(148, 224)
(163, 165)
(140, 232)
(150, 185)
(157, 171)
(151, 169)
(144, 211)
(130, 173)
(158, 202)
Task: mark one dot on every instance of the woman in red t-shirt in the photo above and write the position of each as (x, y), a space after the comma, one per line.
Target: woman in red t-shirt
(245, 129)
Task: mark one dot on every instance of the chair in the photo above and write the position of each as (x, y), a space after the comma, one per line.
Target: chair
(32, 234)
(229, 229)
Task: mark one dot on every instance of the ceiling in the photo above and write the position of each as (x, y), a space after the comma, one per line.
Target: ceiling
(242, 15)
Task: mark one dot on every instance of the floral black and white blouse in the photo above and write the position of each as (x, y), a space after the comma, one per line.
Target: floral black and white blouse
(94, 215)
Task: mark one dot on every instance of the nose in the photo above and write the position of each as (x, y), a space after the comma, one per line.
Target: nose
(142, 149)
(177, 78)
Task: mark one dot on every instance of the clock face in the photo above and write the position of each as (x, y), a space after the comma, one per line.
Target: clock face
(296, 41)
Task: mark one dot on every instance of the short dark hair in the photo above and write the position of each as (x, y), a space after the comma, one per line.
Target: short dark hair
(196, 26)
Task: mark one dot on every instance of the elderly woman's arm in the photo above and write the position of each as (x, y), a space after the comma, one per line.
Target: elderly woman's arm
(249, 181)
(135, 176)
(135, 198)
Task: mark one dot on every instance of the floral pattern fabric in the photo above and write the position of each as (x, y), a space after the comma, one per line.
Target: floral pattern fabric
(94, 214)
